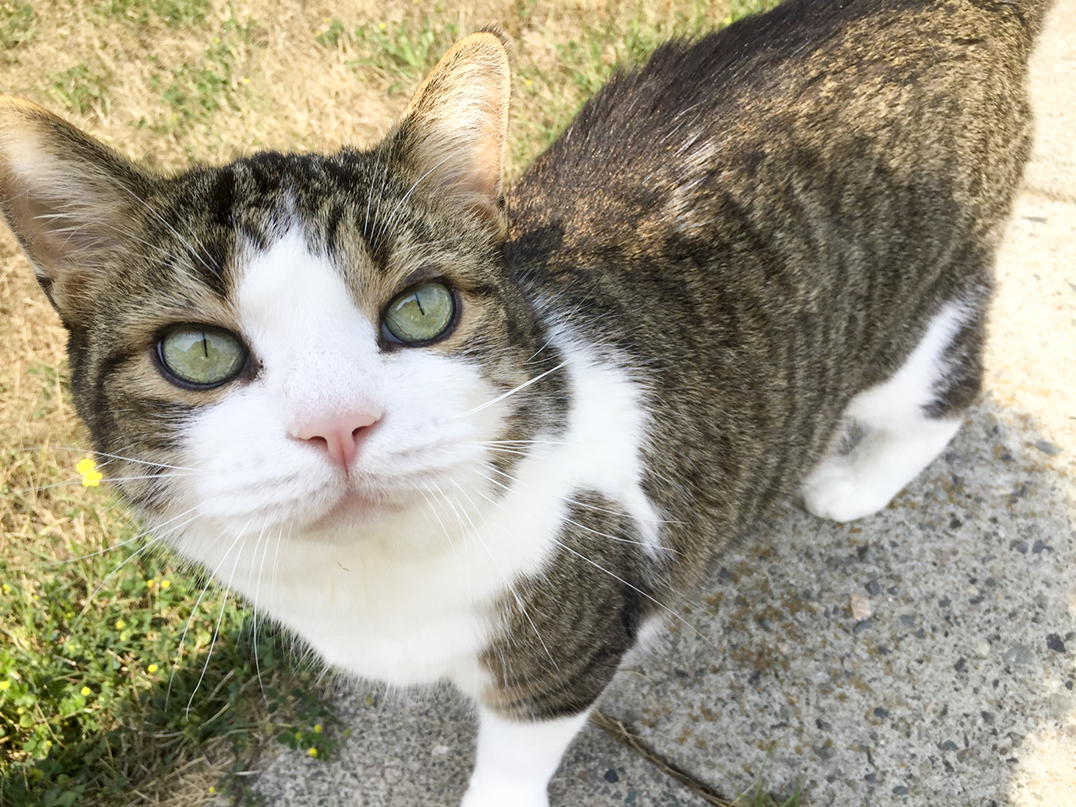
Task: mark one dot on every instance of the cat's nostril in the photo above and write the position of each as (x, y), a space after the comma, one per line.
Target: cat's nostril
(339, 436)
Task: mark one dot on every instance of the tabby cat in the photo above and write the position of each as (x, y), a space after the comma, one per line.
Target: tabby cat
(442, 430)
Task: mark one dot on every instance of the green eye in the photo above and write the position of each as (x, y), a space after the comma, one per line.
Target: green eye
(420, 315)
(202, 355)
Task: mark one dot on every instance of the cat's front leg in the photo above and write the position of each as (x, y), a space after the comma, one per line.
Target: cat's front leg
(562, 633)
(516, 759)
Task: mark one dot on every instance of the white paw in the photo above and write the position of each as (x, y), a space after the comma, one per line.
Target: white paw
(491, 797)
(838, 490)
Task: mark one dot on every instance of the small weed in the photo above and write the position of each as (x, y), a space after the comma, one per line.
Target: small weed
(16, 24)
(80, 90)
(332, 35)
(173, 12)
(196, 91)
(397, 51)
(757, 797)
(760, 798)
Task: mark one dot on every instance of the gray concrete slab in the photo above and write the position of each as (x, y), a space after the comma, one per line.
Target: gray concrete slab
(1053, 94)
(416, 748)
(956, 689)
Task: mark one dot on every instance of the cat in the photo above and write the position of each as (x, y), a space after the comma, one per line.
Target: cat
(444, 430)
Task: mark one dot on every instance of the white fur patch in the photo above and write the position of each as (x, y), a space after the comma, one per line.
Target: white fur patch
(516, 760)
(900, 440)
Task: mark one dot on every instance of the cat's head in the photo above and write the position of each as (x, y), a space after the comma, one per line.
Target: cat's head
(299, 340)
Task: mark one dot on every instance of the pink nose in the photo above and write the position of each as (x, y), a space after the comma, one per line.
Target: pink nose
(339, 435)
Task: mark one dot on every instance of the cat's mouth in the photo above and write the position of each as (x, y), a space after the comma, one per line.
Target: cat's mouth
(357, 507)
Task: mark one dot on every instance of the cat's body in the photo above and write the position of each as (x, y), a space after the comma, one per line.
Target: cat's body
(455, 442)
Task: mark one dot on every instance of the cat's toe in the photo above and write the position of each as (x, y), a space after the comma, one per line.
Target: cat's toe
(836, 491)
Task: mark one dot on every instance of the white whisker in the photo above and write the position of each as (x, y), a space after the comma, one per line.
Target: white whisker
(510, 392)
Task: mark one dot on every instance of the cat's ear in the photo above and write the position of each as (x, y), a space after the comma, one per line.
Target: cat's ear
(68, 199)
(453, 132)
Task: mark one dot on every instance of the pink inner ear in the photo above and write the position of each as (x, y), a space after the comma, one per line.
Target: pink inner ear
(458, 121)
(65, 195)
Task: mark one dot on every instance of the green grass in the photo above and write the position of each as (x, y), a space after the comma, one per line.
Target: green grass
(401, 50)
(174, 13)
(80, 90)
(116, 665)
(16, 24)
(114, 657)
(196, 91)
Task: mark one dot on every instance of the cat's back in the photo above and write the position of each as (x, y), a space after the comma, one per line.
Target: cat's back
(761, 224)
(814, 86)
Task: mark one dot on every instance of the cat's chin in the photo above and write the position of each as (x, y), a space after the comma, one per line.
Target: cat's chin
(356, 509)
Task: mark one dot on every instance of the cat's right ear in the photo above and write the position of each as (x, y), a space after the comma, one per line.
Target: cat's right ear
(68, 199)
(453, 132)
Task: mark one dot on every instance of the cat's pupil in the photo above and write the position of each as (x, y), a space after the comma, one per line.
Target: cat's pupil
(421, 314)
(201, 355)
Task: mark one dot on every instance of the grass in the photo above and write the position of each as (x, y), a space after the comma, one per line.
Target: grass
(16, 24)
(198, 89)
(80, 90)
(124, 677)
(172, 12)
(118, 667)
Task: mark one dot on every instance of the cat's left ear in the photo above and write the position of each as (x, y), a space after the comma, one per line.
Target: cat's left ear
(69, 200)
(453, 131)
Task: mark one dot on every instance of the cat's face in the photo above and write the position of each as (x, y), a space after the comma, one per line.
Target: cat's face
(280, 349)
(296, 342)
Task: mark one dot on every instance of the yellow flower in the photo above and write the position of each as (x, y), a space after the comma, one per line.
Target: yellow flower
(298, 735)
(91, 477)
(7, 588)
(317, 728)
(120, 624)
(5, 684)
(312, 752)
(150, 583)
(85, 691)
(166, 583)
(212, 789)
(152, 668)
